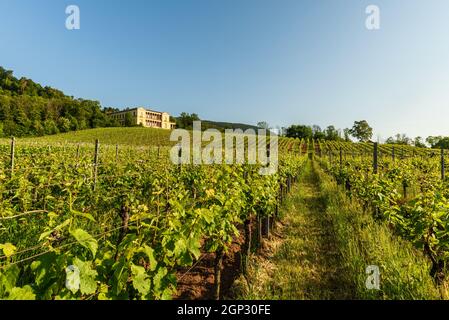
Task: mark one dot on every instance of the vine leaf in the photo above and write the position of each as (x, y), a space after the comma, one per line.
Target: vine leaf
(141, 281)
(86, 240)
(87, 276)
(8, 249)
(150, 254)
(25, 293)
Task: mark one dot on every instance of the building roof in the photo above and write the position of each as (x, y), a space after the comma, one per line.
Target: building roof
(134, 109)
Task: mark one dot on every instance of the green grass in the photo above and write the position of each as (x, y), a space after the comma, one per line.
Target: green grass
(324, 246)
(129, 136)
(134, 136)
(362, 241)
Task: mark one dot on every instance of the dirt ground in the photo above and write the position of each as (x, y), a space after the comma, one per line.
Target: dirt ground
(198, 283)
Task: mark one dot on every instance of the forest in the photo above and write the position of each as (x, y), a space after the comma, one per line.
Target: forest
(29, 109)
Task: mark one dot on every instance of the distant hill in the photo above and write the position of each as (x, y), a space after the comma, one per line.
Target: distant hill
(226, 125)
(185, 121)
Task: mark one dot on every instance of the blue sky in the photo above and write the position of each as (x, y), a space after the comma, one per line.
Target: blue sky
(280, 61)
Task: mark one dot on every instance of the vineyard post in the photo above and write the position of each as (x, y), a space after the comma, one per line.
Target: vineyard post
(180, 156)
(77, 153)
(375, 158)
(97, 145)
(442, 164)
(341, 158)
(267, 219)
(392, 153)
(158, 151)
(116, 153)
(13, 148)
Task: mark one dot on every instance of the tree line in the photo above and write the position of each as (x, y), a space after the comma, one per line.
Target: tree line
(361, 131)
(434, 142)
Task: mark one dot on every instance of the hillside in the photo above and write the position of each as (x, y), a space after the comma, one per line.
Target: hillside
(29, 109)
(133, 136)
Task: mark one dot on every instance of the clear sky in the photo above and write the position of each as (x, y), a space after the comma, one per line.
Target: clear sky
(280, 61)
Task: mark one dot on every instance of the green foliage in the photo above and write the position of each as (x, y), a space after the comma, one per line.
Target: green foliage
(408, 194)
(28, 109)
(361, 131)
(314, 132)
(79, 235)
(185, 120)
(438, 142)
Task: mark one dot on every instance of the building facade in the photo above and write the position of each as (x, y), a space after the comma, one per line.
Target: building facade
(144, 117)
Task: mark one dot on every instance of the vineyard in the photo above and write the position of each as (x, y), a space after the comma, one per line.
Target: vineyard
(402, 186)
(105, 215)
(86, 220)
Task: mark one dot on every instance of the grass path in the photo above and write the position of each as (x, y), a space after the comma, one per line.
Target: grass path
(303, 261)
(308, 261)
(323, 246)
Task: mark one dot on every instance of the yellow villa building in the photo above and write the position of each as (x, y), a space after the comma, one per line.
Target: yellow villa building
(147, 118)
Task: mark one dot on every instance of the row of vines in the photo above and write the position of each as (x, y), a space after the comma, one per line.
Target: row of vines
(401, 185)
(122, 225)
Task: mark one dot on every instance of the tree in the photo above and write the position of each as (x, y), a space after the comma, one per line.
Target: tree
(331, 133)
(317, 132)
(361, 131)
(263, 125)
(299, 131)
(64, 124)
(417, 142)
(129, 120)
(185, 120)
(438, 142)
(347, 134)
(433, 140)
(399, 139)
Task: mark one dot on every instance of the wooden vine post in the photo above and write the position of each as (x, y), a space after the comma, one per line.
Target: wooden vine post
(375, 171)
(341, 159)
(442, 164)
(246, 250)
(97, 147)
(217, 272)
(13, 148)
(267, 218)
(375, 153)
(180, 156)
(77, 154)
